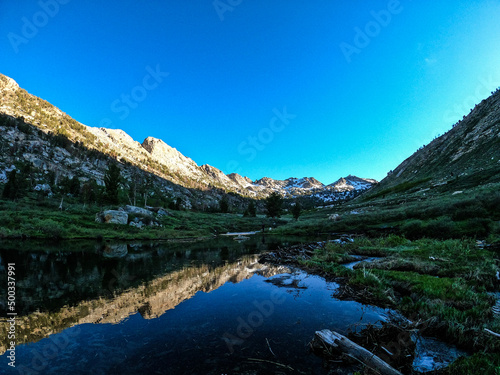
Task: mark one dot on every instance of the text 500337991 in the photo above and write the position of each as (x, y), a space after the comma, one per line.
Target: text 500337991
(11, 313)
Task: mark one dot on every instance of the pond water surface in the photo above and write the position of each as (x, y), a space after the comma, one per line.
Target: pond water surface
(169, 308)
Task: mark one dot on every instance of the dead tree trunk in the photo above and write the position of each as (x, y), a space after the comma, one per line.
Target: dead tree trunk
(336, 340)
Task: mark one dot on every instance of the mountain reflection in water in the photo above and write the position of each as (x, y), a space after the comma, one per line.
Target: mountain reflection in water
(163, 308)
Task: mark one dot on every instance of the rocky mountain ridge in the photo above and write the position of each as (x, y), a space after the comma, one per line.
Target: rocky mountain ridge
(153, 155)
(465, 156)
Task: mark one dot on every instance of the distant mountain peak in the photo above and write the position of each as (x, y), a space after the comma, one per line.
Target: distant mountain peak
(351, 183)
(153, 155)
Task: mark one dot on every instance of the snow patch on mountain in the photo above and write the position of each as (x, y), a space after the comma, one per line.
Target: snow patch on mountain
(350, 183)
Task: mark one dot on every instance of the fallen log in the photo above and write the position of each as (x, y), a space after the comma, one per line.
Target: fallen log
(336, 340)
(492, 333)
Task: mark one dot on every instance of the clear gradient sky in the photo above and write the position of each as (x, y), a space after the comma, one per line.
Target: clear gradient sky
(278, 88)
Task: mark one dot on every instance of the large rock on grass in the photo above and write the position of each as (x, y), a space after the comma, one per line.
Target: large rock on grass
(115, 217)
(138, 211)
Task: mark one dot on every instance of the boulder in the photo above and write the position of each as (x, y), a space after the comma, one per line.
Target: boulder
(45, 188)
(138, 211)
(162, 212)
(139, 224)
(115, 217)
(334, 217)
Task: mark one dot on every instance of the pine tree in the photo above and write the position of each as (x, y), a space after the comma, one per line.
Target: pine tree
(178, 204)
(11, 188)
(112, 183)
(224, 205)
(89, 192)
(146, 185)
(274, 203)
(251, 210)
(74, 186)
(296, 210)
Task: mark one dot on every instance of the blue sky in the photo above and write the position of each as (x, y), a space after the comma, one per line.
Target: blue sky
(264, 88)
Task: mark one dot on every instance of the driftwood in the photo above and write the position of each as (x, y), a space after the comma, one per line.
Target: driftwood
(291, 254)
(492, 333)
(336, 340)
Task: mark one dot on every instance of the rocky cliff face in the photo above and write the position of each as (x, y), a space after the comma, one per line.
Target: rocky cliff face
(33, 130)
(240, 180)
(172, 159)
(8, 84)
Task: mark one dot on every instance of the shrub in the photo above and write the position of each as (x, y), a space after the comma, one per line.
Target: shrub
(465, 203)
(5, 232)
(413, 229)
(492, 202)
(476, 227)
(51, 228)
(468, 212)
(484, 363)
(393, 240)
(432, 212)
(441, 228)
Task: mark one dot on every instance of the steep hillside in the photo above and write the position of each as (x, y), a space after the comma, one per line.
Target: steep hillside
(53, 146)
(153, 155)
(466, 156)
